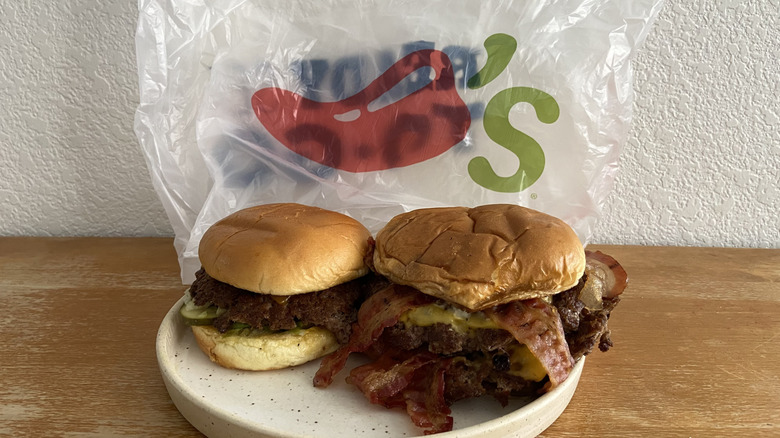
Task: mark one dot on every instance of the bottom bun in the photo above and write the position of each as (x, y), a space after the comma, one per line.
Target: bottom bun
(266, 352)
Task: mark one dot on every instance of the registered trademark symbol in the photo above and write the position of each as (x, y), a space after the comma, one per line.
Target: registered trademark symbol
(534, 196)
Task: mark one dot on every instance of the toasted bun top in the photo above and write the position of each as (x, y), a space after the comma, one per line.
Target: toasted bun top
(285, 249)
(480, 257)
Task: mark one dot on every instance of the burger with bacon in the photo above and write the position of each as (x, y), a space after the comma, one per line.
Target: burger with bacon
(279, 286)
(494, 300)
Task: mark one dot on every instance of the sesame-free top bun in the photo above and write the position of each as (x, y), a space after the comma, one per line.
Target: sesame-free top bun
(480, 257)
(285, 249)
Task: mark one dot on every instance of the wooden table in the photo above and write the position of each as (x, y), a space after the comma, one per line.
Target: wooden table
(696, 343)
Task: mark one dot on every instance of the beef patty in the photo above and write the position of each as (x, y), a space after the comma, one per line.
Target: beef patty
(584, 328)
(482, 369)
(334, 309)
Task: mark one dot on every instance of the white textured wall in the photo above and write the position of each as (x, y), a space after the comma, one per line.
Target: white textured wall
(69, 161)
(702, 166)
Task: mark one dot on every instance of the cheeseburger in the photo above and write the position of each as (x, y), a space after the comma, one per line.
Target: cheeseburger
(496, 300)
(279, 286)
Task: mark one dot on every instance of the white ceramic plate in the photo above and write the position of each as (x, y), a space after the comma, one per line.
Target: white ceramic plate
(228, 403)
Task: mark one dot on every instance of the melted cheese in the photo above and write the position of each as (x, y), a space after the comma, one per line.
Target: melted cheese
(425, 316)
(522, 362)
(280, 299)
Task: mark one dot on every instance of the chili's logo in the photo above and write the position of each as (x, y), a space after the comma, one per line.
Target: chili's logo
(374, 129)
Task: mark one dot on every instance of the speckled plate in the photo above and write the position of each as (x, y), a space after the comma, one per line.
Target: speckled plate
(227, 403)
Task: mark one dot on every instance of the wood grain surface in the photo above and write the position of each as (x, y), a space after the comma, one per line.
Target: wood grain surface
(696, 343)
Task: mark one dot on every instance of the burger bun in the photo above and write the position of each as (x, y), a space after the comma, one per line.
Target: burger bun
(480, 257)
(285, 249)
(264, 352)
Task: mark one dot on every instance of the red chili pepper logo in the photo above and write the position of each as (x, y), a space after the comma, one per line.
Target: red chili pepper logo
(354, 135)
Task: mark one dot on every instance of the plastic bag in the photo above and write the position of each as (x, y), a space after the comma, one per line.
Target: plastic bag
(372, 108)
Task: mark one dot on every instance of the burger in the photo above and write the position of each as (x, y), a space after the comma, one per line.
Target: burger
(280, 285)
(496, 300)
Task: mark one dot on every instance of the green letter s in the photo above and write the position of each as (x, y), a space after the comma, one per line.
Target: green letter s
(527, 150)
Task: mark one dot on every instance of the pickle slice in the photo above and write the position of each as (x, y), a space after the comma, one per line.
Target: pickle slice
(198, 315)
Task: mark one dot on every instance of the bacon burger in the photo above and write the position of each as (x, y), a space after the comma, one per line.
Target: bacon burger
(279, 286)
(497, 299)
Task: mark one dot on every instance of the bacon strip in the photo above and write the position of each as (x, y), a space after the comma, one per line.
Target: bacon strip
(425, 402)
(416, 383)
(387, 376)
(379, 311)
(537, 325)
(415, 379)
